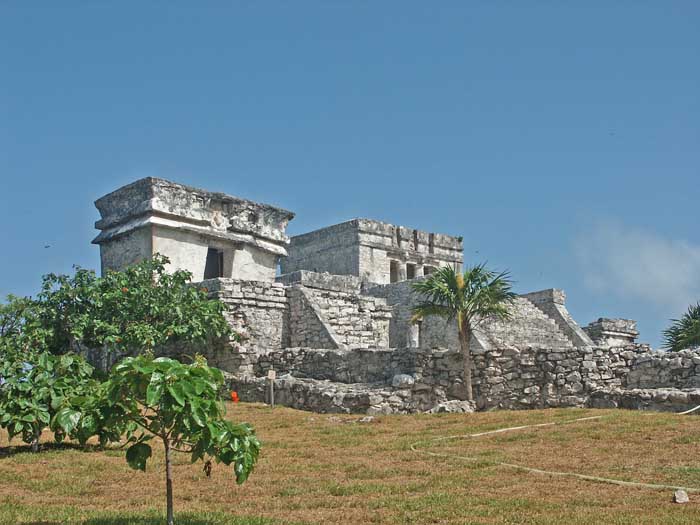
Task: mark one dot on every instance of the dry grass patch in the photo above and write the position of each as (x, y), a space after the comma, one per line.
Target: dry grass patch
(331, 469)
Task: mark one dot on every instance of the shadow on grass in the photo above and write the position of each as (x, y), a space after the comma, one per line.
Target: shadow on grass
(180, 519)
(13, 450)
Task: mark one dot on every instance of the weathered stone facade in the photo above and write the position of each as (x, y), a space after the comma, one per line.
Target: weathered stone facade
(336, 326)
(207, 233)
(375, 251)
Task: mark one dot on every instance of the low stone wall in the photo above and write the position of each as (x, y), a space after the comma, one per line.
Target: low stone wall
(650, 369)
(344, 366)
(657, 399)
(415, 380)
(326, 396)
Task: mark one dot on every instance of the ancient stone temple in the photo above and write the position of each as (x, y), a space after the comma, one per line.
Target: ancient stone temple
(335, 323)
(210, 234)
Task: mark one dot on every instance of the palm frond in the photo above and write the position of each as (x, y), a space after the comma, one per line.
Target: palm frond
(684, 332)
(476, 294)
(425, 309)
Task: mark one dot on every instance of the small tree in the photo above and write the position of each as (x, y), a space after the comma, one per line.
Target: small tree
(469, 298)
(178, 404)
(130, 311)
(684, 332)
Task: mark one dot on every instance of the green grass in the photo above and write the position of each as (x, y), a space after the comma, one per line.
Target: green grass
(318, 469)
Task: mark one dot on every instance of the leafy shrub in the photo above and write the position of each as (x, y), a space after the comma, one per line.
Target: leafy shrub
(139, 308)
(39, 390)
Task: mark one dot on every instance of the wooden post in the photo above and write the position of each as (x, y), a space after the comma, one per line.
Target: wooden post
(271, 375)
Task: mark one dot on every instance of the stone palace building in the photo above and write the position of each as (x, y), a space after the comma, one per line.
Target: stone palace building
(330, 311)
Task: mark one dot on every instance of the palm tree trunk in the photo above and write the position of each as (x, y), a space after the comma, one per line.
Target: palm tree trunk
(464, 337)
(168, 484)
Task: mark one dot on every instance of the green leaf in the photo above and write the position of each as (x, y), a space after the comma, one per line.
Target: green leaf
(177, 392)
(56, 401)
(155, 390)
(67, 419)
(137, 455)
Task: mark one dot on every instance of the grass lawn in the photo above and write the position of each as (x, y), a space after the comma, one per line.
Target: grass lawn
(318, 468)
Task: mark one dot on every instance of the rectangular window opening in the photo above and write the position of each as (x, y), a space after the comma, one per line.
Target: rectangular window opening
(410, 271)
(431, 243)
(214, 266)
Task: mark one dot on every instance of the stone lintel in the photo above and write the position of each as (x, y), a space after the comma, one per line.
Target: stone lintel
(178, 206)
(323, 281)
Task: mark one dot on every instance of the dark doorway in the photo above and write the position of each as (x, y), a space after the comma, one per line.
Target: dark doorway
(393, 271)
(215, 264)
(410, 271)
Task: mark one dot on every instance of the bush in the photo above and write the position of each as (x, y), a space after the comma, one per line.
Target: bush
(40, 390)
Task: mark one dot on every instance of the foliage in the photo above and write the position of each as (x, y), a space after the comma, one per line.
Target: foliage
(474, 296)
(684, 332)
(470, 298)
(136, 309)
(179, 404)
(39, 390)
(42, 383)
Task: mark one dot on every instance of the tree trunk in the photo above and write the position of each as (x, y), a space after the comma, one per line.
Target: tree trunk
(168, 484)
(35, 444)
(464, 337)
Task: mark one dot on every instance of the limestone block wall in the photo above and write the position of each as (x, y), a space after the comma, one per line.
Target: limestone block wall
(257, 310)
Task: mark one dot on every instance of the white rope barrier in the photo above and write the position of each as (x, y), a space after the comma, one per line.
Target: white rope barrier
(415, 447)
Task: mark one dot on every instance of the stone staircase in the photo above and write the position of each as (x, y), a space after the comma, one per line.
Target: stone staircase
(357, 321)
(528, 327)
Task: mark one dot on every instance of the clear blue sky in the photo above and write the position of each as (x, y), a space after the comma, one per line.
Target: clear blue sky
(561, 139)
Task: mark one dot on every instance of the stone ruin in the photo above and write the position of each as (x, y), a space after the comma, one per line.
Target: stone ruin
(330, 312)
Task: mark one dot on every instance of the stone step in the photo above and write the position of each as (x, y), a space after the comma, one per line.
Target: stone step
(528, 326)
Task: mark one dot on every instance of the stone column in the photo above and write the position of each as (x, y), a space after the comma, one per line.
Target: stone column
(413, 339)
(402, 271)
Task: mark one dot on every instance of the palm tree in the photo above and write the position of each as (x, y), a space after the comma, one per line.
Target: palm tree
(684, 332)
(469, 298)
